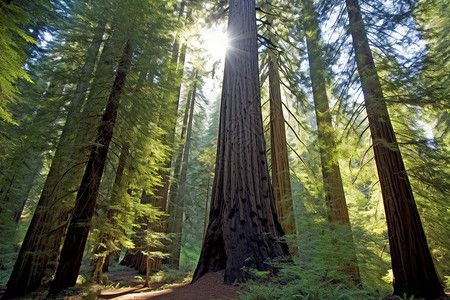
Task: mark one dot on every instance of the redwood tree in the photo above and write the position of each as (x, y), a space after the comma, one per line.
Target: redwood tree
(79, 226)
(412, 264)
(179, 211)
(334, 190)
(281, 179)
(243, 230)
(45, 233)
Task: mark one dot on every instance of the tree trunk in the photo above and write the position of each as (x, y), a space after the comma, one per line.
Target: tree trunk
(281, 180)
(334, 190)
(104, 237)
(178, 220)
(177, 158)
(412, 264)
(77, 233)
(243, 229)
(161, 198)
(43, 238)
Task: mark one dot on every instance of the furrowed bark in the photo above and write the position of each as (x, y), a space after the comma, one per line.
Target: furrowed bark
(243, 230)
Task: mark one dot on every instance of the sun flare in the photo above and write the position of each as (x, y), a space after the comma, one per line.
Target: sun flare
(215, 42)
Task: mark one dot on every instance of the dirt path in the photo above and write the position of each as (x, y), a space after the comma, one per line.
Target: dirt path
(210, 286)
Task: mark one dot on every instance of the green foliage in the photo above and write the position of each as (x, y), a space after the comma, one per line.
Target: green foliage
(318, 271)
(13, 42)
(170, 276)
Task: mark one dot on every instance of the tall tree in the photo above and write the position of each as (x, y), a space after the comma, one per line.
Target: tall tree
(412, 265)
(44, 235)
(179, 212)
(243, 229)
(281, 181)
(78, 230)
(167, 121)
(334, 190)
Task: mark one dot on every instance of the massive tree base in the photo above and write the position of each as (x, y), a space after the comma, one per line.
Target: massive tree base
(243, 231)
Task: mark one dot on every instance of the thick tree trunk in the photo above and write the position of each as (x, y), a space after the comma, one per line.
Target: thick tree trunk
(243, 229)
(281, 180)
(78, 230)
(412, 264)
(334, 190)
(179, 212)
(46, 230)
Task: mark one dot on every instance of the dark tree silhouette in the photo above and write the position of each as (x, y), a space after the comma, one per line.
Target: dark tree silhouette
(43, 239)
(243, 229)
(79, 226)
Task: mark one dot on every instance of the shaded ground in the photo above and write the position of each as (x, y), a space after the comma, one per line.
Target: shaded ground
(210, 286)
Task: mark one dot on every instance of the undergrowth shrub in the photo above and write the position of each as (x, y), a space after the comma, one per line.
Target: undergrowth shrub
(320, 267)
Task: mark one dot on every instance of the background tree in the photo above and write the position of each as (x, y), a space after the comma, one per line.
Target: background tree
(332, 180)
(413, 268)
(281, 181)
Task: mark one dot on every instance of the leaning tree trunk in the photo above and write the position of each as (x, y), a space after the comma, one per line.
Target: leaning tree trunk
(334, 190)
(43, 238)
(412, 264)
(243, 229)
(78, 230)
(281, 179)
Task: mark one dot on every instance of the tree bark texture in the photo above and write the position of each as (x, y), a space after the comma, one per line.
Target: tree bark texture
(79, 226)
(281, 179)
(243, 229)
(412, 264)
(42, 241)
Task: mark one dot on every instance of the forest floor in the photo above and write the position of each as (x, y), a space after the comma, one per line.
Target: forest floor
(210, 286)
